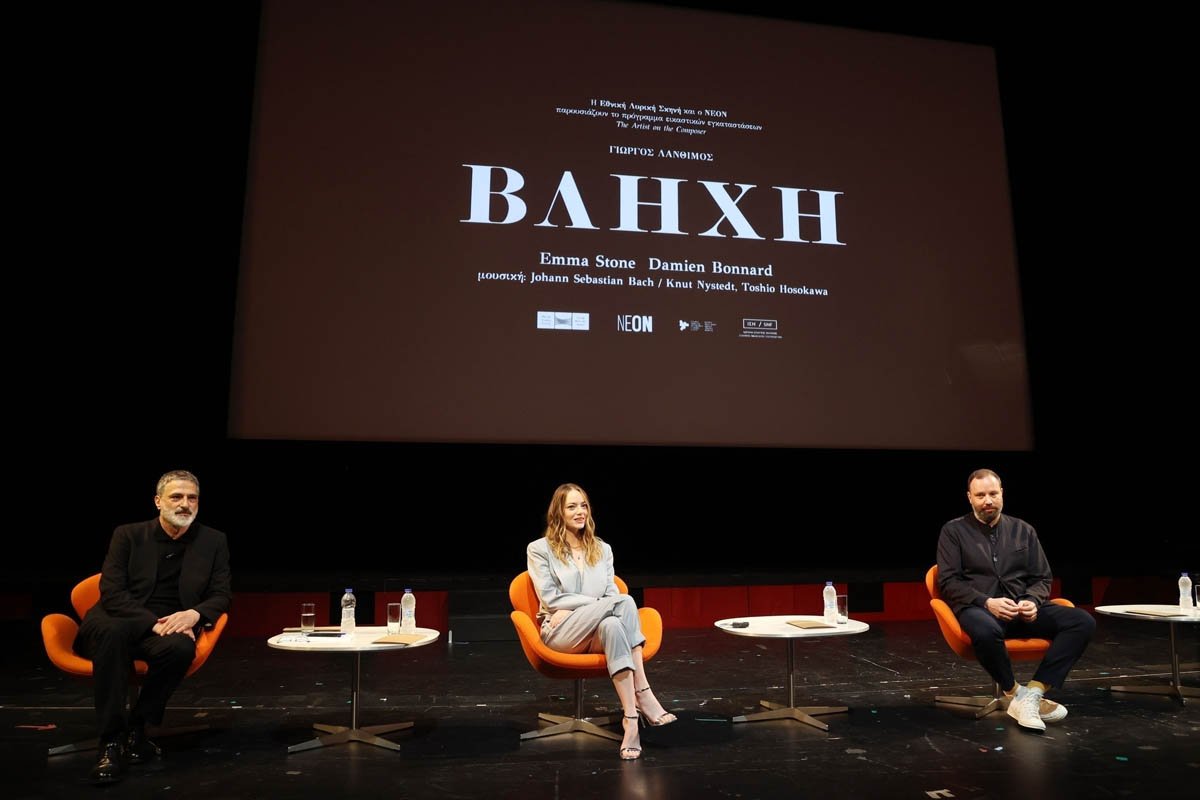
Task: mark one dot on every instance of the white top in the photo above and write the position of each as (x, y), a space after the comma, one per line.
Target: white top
(1129, 611)
(777, 627)
(362, 640)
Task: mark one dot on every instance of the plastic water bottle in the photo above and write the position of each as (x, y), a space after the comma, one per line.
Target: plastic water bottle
(1185, 595)
(829, 596)
(348, 603)
(408, 612)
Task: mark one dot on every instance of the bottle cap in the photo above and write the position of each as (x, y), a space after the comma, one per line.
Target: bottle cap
(349, 590)
(829, 583)
(407, 591)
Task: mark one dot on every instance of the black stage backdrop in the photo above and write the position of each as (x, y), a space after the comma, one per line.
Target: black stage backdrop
(135, 359)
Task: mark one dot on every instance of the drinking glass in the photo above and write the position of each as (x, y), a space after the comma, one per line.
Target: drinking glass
(393, 617)
(843, 609)
(308, 617)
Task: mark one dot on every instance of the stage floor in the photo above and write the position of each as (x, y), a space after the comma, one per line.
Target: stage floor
(470, 702)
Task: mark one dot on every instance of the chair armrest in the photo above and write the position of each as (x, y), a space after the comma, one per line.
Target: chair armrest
(206, 641)
(952, 632)
(531, 640)
(576, 665)
(545, 659)
(58, 636)
(652, 629)
(946, 619)
(526, 630)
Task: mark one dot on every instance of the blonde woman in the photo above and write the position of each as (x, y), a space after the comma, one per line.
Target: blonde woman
(582, 610)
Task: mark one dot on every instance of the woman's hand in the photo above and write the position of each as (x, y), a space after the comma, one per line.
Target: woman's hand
(558, 616)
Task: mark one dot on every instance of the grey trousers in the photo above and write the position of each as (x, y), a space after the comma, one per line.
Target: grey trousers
(610, 626)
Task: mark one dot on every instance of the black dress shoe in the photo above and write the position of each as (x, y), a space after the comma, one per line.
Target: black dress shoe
(110, 767)
(139, 749)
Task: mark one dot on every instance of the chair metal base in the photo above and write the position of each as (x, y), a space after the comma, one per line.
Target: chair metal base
(77, 747)
(576, 724)
(94, 743)
(983, 705)
(798, 713)
(572, 725)
(340, 734)
(152, 731)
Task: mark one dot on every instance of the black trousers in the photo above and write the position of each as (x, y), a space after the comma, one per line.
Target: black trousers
(112, 644)
(1070, 629)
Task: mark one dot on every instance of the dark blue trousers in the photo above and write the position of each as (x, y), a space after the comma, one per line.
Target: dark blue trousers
(1070, 630)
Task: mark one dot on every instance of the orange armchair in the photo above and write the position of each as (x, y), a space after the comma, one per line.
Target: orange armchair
(570, 666)
(960, 643)
(58, 636)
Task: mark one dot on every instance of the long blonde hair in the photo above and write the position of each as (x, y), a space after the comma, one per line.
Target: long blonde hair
(556, 527)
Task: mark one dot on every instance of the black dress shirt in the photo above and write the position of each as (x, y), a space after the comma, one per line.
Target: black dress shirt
(164, 600)
(977, 562)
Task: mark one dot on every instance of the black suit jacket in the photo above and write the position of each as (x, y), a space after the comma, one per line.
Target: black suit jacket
(131, 566)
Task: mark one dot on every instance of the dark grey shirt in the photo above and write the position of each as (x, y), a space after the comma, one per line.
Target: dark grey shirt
(976, 562)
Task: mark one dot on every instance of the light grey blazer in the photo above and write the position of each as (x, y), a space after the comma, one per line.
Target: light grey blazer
(561, 585)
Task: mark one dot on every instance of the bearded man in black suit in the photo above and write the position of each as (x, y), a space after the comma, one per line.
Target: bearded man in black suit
(162, 580)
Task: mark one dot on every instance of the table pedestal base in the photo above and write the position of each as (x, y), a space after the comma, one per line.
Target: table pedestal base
(1171, 689)
(572, 725)
(1174, 688)
(800, 714)
(340, 734)
(791, 710)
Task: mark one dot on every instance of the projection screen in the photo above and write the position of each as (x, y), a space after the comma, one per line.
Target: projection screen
(606, 222)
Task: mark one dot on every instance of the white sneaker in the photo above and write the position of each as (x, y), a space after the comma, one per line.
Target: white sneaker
(1024, 708)
(1051, 711)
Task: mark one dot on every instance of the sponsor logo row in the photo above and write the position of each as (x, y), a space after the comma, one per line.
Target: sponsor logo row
(751, 327)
